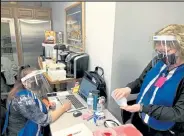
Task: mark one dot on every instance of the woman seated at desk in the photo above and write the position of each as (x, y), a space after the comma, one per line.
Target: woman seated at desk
(27, 115)
(160, 104)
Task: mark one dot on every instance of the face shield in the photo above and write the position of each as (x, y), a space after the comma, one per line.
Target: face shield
(36, 82)
(165, 50)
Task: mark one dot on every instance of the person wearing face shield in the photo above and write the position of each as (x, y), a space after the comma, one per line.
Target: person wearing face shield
(159, 108)
(27, 114)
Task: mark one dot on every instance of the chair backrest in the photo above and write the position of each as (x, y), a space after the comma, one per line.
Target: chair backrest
(4, 86)
(3, 114)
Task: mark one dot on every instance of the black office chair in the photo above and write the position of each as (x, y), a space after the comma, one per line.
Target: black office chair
(3, 114)
(46, 131)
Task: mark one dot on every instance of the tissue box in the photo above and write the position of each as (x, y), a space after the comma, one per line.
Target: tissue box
(57, 75)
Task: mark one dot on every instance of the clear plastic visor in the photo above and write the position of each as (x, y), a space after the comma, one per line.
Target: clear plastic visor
(36, 82)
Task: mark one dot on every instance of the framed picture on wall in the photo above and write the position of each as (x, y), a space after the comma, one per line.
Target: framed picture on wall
(75, 26)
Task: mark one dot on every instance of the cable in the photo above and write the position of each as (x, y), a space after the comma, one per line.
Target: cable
(112, 121)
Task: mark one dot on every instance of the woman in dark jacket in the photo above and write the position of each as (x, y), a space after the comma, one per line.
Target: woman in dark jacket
(159, 108)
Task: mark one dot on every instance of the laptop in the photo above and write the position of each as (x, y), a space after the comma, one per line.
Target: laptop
(86, 87)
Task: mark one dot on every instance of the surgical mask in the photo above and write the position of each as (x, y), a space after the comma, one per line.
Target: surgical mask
(169, 59)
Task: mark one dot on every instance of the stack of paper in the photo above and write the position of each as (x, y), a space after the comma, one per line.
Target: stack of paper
(76, 130)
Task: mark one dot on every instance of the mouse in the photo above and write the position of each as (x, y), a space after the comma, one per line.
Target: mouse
(77, 113)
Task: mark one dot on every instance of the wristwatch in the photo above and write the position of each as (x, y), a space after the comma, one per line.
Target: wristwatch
(141, 107)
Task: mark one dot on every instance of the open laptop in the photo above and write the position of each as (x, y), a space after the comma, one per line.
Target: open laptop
(86, 86)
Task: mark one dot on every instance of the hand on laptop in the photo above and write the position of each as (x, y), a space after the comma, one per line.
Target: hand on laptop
(52, 105)
(67, 105)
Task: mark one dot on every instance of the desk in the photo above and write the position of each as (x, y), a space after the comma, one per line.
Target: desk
(67, 119)
(55, 82)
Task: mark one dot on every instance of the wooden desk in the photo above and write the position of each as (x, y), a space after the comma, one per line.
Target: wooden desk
(55, 82)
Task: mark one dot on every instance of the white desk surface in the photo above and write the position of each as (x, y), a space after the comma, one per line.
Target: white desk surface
(67, 119)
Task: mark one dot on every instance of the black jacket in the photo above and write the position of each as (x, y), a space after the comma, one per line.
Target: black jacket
(159, 112)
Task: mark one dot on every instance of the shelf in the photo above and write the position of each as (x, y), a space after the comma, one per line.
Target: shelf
(46, 44)
(71, 23)
(74, 13)
(3, 53)
(6, 47)
(4, 93)
(74, 40)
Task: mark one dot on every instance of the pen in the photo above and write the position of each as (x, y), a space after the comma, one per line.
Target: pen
(90, 118)
(74, 133)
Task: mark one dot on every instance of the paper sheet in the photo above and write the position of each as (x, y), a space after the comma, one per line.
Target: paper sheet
(64, 93)
(76, 130)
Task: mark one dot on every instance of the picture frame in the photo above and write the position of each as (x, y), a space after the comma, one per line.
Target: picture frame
(75, 26)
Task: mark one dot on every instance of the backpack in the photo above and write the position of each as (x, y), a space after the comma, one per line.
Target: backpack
(98, 79)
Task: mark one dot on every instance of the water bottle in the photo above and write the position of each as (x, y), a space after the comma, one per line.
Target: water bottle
(99, 107)
(101, 104)
(95, 99)
(90, 102)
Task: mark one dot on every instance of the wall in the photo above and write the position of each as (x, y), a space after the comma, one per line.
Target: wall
(99, 36)
(134, 25)
(99, 32)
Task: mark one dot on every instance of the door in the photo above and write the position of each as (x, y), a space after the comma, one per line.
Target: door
(8, 43)
(31, 38)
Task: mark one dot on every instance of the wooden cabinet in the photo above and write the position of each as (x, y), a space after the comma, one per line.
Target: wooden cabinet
(6, 12)
(32, 13)
(10, 11)
(25, 13)
(43, 14)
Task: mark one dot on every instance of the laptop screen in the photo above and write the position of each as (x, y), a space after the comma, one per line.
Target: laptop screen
(86, 87)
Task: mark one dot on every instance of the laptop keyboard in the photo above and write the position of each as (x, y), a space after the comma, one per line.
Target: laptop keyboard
(76, 103)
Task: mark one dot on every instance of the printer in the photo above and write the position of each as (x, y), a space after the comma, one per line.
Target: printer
(76, 64)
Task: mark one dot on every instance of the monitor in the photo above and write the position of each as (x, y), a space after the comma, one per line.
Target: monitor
(86, 87)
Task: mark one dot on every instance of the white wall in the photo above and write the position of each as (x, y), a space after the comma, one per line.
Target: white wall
(100, 17)
(135, 23)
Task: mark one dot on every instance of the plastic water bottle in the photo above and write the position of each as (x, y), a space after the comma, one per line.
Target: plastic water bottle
(99, 105)
(90, 102)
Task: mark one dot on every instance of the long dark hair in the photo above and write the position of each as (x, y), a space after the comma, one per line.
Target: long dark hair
(23, 71)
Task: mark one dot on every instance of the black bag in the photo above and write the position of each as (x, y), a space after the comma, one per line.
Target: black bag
(98, 79)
